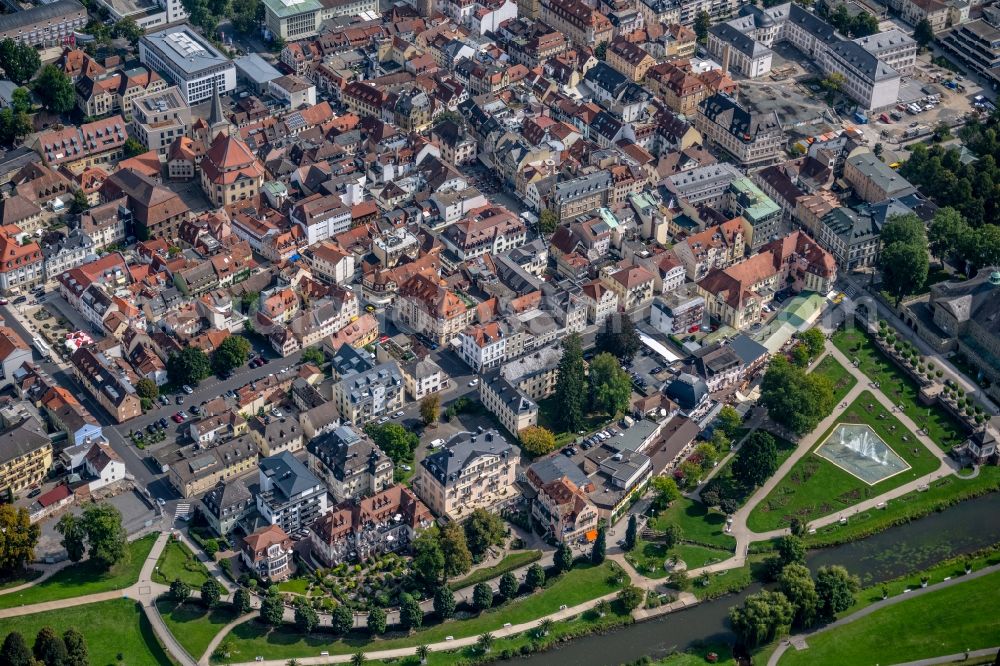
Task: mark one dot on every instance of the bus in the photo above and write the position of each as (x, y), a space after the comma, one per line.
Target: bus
(42, 348)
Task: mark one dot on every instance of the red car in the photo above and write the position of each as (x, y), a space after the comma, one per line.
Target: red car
(178, 418)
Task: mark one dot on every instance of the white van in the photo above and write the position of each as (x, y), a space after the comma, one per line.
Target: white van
(437, 443)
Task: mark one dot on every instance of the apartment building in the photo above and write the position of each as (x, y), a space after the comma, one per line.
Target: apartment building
(188, 61)
(288, 494)
(976, 44)
(633, 286)
(580, 22)
(581, 195)
(100, 143)
(630, 59)
(872, 179)
(679, 312)
(25, 455)
(367, 395)
(160, 118)
(761, 216)
(752, 138)
(268, 553)
(49, 24)
(22, 265)
(683, 88)
(513, 409)
(106, 383)
(893, 47)
(349, 463)
(716, 247)
(472, 471)
(483, 346)
(194, 469)
(561, 504)
(491, 229)
(433, 310)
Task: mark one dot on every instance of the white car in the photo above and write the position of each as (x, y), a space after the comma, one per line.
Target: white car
(397, 415)
(474, 382)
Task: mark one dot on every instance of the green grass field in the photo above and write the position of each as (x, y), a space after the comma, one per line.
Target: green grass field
(81, 579)
(843, 381)
(815, 487)
(939, 424)
(192, 624)
(583, 583)
(512, 561)
(648, 557)
(177, 561)
(20, 578)
(698, 523)
(295, 585)
(699, 656)
(942, 622)
(111, 628)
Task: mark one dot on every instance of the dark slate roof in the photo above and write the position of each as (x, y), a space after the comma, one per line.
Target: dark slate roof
(462, 450)
(687, 390)
(288, 474)
(556, 467)
(606, 77)
(863, 61)
(724, 110)
(748, 349)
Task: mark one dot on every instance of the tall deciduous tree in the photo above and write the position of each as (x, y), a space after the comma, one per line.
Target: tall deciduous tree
(341, 620)
(793, 398)
(106, 537)
(482, 596)
(241, 601)
(756, 460)
(49, 648)
(444, 602)
(19, 61)
(836, 588)
(796, 583)
(762, 617)
(631, 533)
(537, 441)
(74, 536)
(428, 558)
(211, 592)
(410, 615)
(610, 386)
(619, 337)
(923, 32)
(272, 610)
(563, 559)
(55, 90)
(507, 587)
(189, 366)
(377, 620)
(535, 577)
(483, 529)
(179, 591)
(430, 408)
(599, 550)
(571, 388)
(904, 268)
(945, 233)
(395, 441)
(18, 537)
(15, 651)
(230, 354)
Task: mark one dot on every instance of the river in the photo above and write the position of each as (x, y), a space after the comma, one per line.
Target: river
(962, 528)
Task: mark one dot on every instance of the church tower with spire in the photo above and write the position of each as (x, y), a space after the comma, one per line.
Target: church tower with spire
(218, 123)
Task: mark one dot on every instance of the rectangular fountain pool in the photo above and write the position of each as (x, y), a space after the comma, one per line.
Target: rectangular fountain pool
(859, 451)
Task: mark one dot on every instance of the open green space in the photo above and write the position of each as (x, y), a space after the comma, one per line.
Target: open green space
(512, 561)
(649, 557)
(815, 487)
(722, 583)
(20, 578)
(84, 578)
(840, 377)
(945, 621)
(193, 625)
(177, 561)
(939, 494)
(583, 583)
(939, 425)
(299, 585)
(117, 631)
(698, 523)
(730, 488)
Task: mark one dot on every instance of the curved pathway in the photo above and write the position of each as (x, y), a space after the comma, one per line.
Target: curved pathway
(48, 570)
(800, 639)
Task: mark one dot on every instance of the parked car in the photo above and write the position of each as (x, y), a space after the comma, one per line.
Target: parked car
(177, 418)
(163, 423)
(397, 415)
(35, 492)
(187, 389)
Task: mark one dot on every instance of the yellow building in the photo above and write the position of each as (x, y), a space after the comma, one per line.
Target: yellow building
(25, 456)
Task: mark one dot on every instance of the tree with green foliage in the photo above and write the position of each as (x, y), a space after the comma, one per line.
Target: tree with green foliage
(307, 619)
(631, 533)
(19, 61)
(14, 125)
(535, 577)
(570, 397)
(422, 652)
(707, 454)
(50, 648)
(133, 147)
(430, 409)
(342, 619)
(610, 386)
(410, 615)
(508, 586)
(702, 22)
(188, 367)
(395, 441)
(619, 337)
(80, 202)
(756, 460)
(359, 659)
(147, 389)
(107, 540)
(903, 229)
(55, 90)
(246, 15)
(665, 491)
(272, 610)
(313, 355)
(904, 268)
(74, 536)
(672, 535)
(800, 356)
(428, 559)
(18, 540)
(796, 583)
(455, 547)
(563, 559)
(548, 222)
(444, 602)
(599, 551)
(241, 601)
(128, 30)
(762, 618)
(179, 591)
(211, 593)
(923, 33)
(601, 51)
(485, 643)
(483, 529)
(729, 420)
(449, 116)
(814, 341)
(15, 651)
(980, 247)
(945, 232)
(791, 550)
(231, 353)
(835, 588)
(482, 596)
(630, 597)
(537, 441)
(377, 620)
(793, 398)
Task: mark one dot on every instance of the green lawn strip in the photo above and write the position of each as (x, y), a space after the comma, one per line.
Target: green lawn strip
(697, 556)
(583, 583)
(649, 558)
(945, 621)
(512, 561)
(20, 578)
(111, 628)
(722, 583)
(698, 656)
(192, 624)
(177, 561)
(815, 487)
(698, 523)
(841, 378)
(939, 425)
(83, 578)
(727, 486)
(940, 494)
(298, 585)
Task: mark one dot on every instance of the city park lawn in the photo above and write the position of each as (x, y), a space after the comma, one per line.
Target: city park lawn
(19, 578)
(512, 561)
(84, 578)
(841, 378)
(649, 557)
(729, 487)
(193, 625)
(177, 561)
(699, 524)
(939, 425)
(816, 487)
(111, 628)
(946, 621)
(583, 583)
(298, 585)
